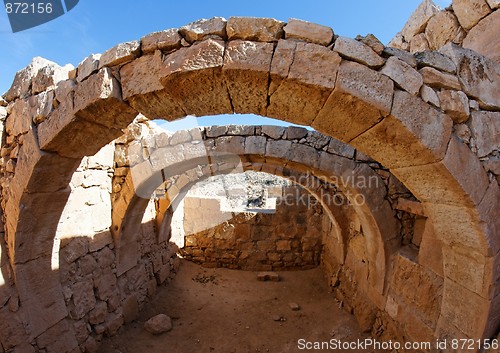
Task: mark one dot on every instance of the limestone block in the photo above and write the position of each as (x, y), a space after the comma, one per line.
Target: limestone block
(24, 78)
(83, 298)
(246, 69)
(494, 4)
(304, 155)
(414, 130)
(166, 40)
(302, 77)
(436, 60)
(230, 144)
(403, 74)
(120, 54)
(255, 145)
(488, 209)
(398, 42)
(63, 89)
(201, 29)
(20, 118)
(308, 32)
(256, 29)
(482, 38)
(278, 149)
(438, 79)
(357, 51)
(167, 157)
(373, 42)
(59, 338)
(418, 19)
(479, 76)
(88, 66)
(361, 98)
(400, 54)
(428, 95)
(105, 285)
(49, 76)
(430, 254)
(485, 127)
(443, 28)
(180, 137)
(193, 76)
(274, 132)
(242, 130)
(317, 140)
(74, 249)
(469, 12)
(42, 106)
(455, 104)
(158, 324)
(339, 148)
(295, 133)
(216, 131)
(419, 43)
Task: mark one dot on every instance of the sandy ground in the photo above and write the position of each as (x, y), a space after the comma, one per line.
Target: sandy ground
(234, 313)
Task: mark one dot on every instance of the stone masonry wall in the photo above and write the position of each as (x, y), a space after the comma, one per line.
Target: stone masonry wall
(290, 238)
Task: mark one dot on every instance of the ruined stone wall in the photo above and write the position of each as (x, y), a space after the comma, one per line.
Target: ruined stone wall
(290, 238)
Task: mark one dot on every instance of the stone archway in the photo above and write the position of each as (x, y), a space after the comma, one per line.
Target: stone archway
(339, 86)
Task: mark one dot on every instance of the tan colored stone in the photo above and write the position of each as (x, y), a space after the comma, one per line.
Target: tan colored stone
(400, 54)
(403, 74)
(304, 75)
(485, 127)
(158, 324)
(469, 12)
(429, 96)
(362, 97)
(494, 4)
(443, 28)
(482, 38)
(438, 79)
(256, 29)
(372, 42)
(410, 206)
(193, 77)
(88, 66)
(201, 29)
(430, 254)
(308, 32)
(398, 42)
(455, 104)
(19, 120)
(43, 106)
(415, 133)
(357, 51)
(418, 19)
(49, 76)
(246, 69)
(23, 79)
(120, 54)
(419, 43)
(479, 76)
(166, 40)
(436, 60)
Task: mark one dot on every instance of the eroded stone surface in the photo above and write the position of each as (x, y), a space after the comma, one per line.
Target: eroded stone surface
(166, 40)
(204, 28)
(403, 74)
(469, 12)
(357, 51)
(258, 29)
(308, 32)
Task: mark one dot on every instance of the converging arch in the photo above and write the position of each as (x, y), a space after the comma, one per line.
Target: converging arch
(252, 66)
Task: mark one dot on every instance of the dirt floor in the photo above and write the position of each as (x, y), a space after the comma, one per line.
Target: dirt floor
(229, 311)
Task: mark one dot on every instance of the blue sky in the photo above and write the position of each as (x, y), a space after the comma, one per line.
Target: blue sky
(95, 26)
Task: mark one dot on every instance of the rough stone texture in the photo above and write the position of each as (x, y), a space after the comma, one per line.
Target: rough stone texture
(363, 95)
(400, 54)
(418, 20)
(436, 60)
(479, 76)
(438, 79)
(373, 42)
(482, 38)
(201, 29)
(120, 54)
(485, 127)
(357, 51)
(429, 96)
(494, 4)
(257, 29)
(403, 74)
(166, 40)
(419, 43)
(88, 66)
(158, 324)
(443, 28)
(308, 32)
(469, 12)
(455, 104)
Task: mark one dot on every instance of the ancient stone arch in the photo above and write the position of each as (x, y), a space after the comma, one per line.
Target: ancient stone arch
(351, 90)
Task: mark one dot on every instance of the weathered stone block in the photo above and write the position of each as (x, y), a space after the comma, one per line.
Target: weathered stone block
(201, 29)
(482, 37)
(166, 40)
(256, 29)
(83, 299)
(24, 78)
(246, 69)
(158, 324)
(361, 98)
(455, 104)
(418, 19)
(255, 145)
(428, 95)
(20, 118)
(308, 32)
(403, 74)
(436, 60)
(274, 132)
(443, 28)
(419, 43)
(438, 79)
(485, 127)
(400, 54)
(120, 54)
(373, 42)
(59, 338)
(469, 12)
(357, 51)
(88, 66)
(105, 285)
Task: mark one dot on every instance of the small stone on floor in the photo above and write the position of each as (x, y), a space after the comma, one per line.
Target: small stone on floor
(158, 324)
(268, 276)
